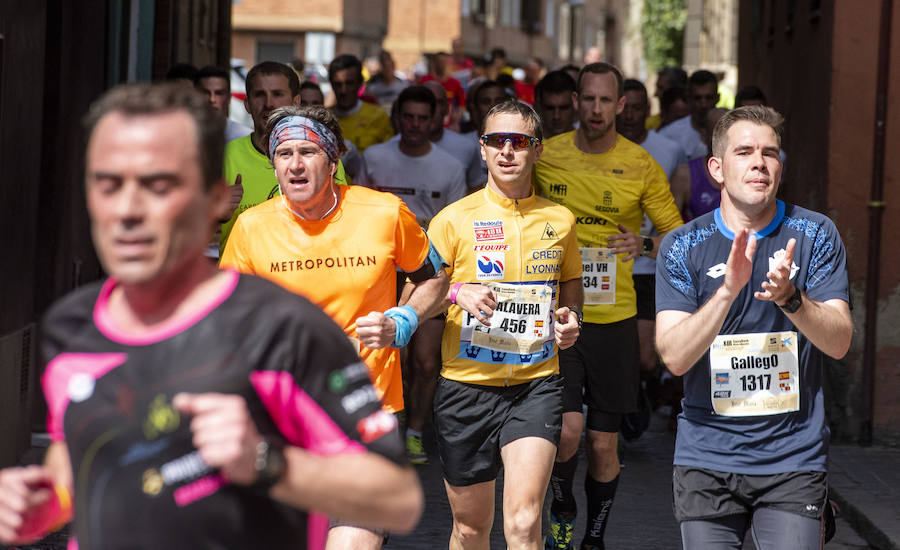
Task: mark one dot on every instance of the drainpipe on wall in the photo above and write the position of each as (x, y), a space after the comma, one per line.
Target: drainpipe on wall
(876, 209)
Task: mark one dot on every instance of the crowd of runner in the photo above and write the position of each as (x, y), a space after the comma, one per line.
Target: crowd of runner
(524, 264)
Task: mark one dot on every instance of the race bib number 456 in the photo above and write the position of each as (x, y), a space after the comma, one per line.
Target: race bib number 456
(522, 321)
(754, 374)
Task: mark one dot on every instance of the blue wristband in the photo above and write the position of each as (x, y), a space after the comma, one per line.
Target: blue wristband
(407, 321)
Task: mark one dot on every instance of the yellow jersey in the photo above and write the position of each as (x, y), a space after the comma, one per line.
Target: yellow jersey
(367, 126)
(602, 191)
(345, 263)
(522, 249)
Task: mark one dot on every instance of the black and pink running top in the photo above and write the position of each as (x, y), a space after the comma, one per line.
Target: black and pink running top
(139, 481)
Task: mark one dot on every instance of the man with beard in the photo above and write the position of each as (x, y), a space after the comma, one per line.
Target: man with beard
(608, 183)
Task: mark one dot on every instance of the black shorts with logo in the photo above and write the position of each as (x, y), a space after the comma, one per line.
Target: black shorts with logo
(698, 493)
(473, 422)
(602, 371)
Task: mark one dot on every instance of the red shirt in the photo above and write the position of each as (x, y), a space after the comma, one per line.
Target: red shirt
(455, 93)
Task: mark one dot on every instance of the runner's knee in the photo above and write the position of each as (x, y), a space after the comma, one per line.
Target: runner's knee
(523, 522)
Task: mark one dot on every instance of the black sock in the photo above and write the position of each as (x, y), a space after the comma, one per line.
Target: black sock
(563, 503)
(599, 502)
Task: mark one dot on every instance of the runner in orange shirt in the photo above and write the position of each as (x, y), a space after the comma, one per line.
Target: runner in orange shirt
(340, 247)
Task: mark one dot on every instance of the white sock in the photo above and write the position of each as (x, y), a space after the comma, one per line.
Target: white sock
(410, 431)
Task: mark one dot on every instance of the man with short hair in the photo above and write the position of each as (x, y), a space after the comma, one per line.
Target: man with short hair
(481, 100)
(465, 150)
(702, 95)
(214, 82)
(608, 183)
(426, 177)
(340, 246)
(553, 102)
(631, 124)
(456, 96)
(362, 123)
(269, 85)
(179, 394)
(516, 296)
(749, 299)
(666, 78)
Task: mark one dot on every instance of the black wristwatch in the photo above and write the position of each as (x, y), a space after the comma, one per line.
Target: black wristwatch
(578, 314)
(648, 245)
(793, 303)
(270, 465)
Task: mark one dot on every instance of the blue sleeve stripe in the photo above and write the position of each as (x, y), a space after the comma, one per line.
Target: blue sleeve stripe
(677, 271)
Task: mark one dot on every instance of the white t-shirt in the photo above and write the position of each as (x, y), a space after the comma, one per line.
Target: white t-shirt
(666, 153)
(354, 164)
(426, 184)
(682, 132)
(465, 149)
(235, 130)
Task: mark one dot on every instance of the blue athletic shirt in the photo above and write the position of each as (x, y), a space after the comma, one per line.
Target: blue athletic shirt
(690, 267)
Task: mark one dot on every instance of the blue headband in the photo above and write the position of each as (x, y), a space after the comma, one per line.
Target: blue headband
(299, 127)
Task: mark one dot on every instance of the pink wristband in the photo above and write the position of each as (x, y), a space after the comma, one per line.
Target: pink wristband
(454, 291)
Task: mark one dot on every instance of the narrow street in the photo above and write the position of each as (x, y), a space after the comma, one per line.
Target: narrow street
(641, 517)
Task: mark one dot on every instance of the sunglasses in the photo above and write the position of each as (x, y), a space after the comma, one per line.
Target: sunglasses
(517, 141)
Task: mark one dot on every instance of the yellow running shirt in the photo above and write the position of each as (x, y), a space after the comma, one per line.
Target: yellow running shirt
(602, 191)
(346, 263)
(368, 125)
(257, 177)
(526, 247)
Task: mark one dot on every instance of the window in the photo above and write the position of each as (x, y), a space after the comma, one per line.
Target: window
(319, 48)
(280, 51)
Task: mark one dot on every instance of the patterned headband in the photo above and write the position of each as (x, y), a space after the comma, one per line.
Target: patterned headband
(298, 127)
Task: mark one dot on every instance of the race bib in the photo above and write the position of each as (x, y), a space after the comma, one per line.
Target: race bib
(522, 321)
(754, 374)
(598, 275)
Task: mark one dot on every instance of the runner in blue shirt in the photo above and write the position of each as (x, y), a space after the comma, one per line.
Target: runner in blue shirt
(749, 297)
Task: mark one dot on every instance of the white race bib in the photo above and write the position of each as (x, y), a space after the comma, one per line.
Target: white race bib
(754, 374)
(598, 275)
(521, 323)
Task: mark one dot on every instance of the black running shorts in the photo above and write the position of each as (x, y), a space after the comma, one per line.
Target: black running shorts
(473, 422)
(698, 493)
(602, 371)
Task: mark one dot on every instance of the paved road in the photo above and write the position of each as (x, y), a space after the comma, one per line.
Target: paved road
(640, 519)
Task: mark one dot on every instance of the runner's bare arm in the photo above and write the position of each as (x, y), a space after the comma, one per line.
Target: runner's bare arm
(376, 330)
(30, 505)
(571, 294)
(681, 337)
(360, 488)
(827, 325)
(477, 299)
(363, 488)
(428, 296)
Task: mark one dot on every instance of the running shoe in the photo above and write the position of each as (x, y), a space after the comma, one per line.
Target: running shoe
(415, 451)
(562, 531)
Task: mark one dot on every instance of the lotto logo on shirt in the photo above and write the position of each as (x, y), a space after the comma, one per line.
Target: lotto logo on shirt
(490, 265)
(488, 230)
(375, 425)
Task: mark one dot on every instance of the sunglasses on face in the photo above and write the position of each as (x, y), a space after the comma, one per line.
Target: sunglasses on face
(517, 141)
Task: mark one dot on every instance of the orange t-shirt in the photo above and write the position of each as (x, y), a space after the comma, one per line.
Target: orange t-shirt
(346, 263)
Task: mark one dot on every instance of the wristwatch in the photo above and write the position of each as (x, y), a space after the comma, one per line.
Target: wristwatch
(578, 315)
(793, 303)
(270, 465)
(648, 245)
